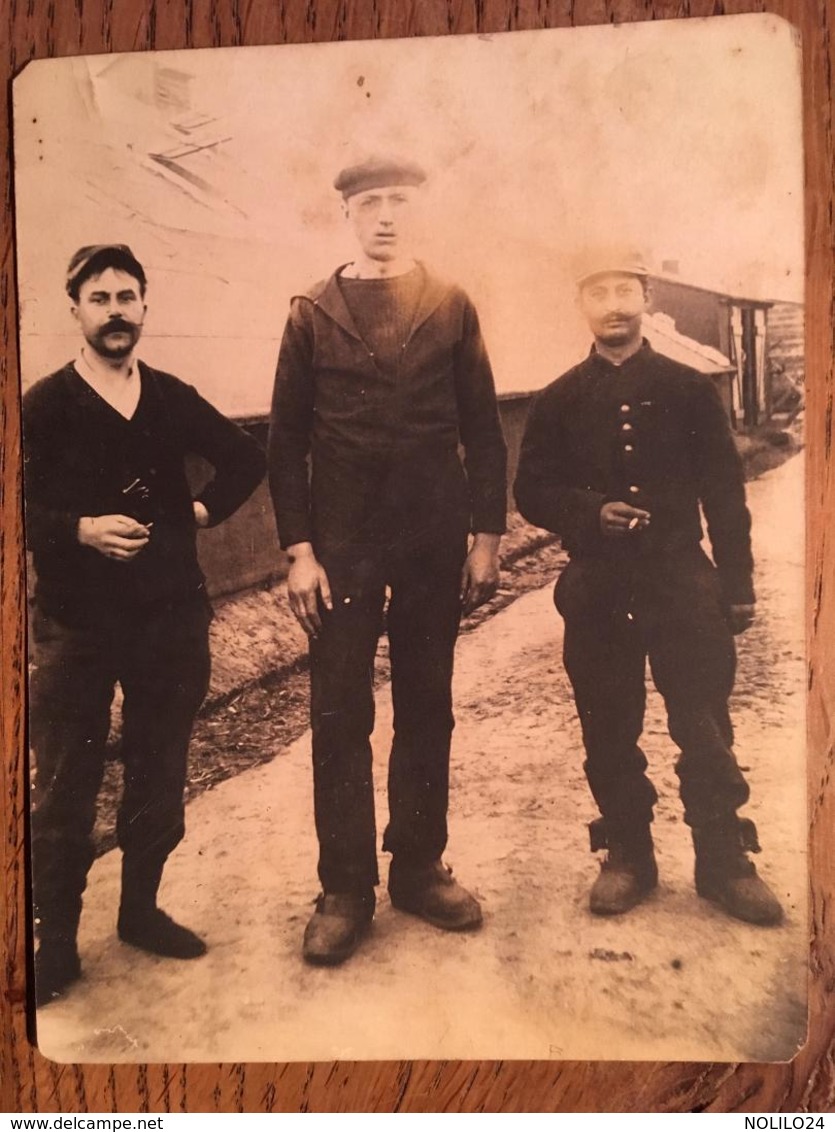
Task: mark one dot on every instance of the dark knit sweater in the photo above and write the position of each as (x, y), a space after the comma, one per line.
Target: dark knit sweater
(384, 310)
(80, 455)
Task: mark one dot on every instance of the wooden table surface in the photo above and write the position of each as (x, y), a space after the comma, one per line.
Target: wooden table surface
(31, 29)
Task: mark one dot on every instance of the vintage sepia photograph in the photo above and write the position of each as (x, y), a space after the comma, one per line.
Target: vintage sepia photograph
(414, 503)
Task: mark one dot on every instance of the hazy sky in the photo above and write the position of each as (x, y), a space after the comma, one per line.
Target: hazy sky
(683, 136)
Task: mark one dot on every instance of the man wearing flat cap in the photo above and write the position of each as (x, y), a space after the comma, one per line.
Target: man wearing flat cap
(382, 375)
(618, 456)
(119, 597)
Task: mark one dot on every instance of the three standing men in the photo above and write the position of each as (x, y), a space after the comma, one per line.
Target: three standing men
(382, 373)
(618, 455)
(111, 522)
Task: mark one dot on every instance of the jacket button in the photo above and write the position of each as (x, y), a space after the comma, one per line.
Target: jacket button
(626, 427)
(634, 488)
(628, 448)
(625, 408)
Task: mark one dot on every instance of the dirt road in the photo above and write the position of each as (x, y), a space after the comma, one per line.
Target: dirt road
(674, 979)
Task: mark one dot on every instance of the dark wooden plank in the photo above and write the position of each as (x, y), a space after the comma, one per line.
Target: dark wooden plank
(37, 29)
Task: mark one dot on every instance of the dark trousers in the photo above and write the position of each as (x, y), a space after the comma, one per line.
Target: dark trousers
(616, 615)
(422, 621)
(162, 663)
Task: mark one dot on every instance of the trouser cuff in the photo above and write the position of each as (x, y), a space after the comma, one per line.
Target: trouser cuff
(604, 832)
(354, 881)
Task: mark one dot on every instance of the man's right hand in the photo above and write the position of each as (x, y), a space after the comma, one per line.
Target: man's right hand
(619, 519)
(307, 582)
(115, 536)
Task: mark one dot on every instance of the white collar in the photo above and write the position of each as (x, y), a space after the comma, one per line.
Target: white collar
(95, 371)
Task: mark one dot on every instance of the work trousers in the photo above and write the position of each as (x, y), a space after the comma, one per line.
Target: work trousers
(670, 610)
(162, 663)
(422, 621)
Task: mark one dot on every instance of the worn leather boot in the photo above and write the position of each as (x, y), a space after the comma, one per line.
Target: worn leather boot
(628, 873)
(57, 966)
(142, 924)
(337, 927)
(430, 892)
(726, 876)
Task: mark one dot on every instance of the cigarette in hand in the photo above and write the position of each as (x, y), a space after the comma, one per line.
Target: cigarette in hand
(632, 524)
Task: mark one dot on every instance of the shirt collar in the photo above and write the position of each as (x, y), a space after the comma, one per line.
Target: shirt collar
(94, 370)
(640, 355)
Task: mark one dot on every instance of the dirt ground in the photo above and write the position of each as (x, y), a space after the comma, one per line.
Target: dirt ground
(674, 979)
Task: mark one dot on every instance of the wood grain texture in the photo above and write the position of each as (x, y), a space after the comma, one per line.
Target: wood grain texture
(39, 28)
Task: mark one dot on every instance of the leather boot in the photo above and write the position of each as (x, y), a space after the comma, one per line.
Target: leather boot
(726, 876)
(57, 964)
(628, 873)
(430, 892)
(141, 923)
(337, 927)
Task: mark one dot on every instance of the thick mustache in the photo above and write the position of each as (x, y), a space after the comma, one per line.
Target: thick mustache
(118, 324)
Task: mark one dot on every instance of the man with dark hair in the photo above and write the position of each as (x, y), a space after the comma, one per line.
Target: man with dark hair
(89, 261)
(382, 373)
(618, 455)
(119, 596)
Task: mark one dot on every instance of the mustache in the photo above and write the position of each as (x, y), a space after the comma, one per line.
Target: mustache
(118, 324)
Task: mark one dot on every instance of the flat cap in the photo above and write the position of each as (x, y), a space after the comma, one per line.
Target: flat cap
(94, 258)
(613, 259)
(377, 173)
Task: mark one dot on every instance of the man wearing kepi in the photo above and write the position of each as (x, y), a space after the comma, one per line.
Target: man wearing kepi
(617, 456)
(119, 596)
(382, 373)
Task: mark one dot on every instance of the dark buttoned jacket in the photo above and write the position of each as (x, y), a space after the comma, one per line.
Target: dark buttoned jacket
(650, 432)
(384, 445)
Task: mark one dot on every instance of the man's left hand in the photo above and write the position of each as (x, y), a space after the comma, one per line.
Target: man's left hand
(480, 576)
(740, 618)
